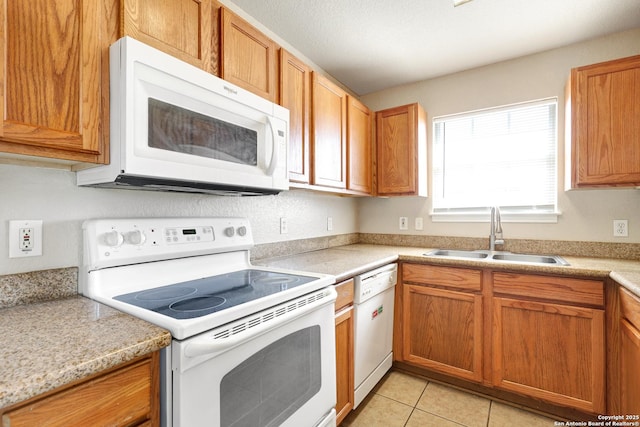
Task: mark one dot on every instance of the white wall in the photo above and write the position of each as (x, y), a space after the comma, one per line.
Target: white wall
(586, 214)
(52, 196)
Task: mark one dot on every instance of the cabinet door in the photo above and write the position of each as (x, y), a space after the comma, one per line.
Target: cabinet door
(443, 330)
(54, 75)
(295, 94)
(329, 133)
(344, 363)
(550, 351)
(401, 151)
(629, 373)
(359, 175)
(182, 28)
(605, 123)
(249, 58)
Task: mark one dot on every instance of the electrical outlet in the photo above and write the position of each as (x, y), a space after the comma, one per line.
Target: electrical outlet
(25, 238)
(329, 223)
(284, 226)
(620, 228)
(419, 225)
(404, 223)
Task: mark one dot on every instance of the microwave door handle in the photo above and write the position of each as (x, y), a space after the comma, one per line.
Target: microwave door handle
(274, 156)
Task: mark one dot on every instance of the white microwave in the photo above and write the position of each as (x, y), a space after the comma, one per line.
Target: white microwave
(175, 127)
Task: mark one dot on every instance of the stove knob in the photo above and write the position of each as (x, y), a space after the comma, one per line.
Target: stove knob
(113, 238)
(242, 231)
(229, 231)
(136, 237)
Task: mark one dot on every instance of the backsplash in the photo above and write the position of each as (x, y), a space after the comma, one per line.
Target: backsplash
(37, 286)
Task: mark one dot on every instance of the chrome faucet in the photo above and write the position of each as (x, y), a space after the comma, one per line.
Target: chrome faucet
(496, 229)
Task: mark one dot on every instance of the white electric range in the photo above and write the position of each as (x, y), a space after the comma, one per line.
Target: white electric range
(252, 346)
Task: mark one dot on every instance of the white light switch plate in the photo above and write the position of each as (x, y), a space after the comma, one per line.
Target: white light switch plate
(25, 238)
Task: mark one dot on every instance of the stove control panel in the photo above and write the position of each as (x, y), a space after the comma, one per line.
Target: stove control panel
(112, 242)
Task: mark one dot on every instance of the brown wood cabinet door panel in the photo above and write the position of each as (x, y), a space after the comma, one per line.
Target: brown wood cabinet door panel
(295, 94)
(52, 78)
(566, 289)
(550, 351)
(344, 363)
(397, 159)
(121, 398)
(605, 106)
(249, 58)
(329, 114)
(629, 369)
(182, 28)
(450, 277)
(443, 331)
(359, 155)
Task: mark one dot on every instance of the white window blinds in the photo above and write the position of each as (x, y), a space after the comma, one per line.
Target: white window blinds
(502, 156)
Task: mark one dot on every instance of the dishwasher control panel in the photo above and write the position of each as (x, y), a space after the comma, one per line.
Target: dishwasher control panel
(374, 282)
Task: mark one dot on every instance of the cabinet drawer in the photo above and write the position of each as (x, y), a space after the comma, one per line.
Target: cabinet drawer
(345, 294)
(630, 307)
(120, 398)
(451, 277)
(566, 289)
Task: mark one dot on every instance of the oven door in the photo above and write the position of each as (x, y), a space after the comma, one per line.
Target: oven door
(274, 368)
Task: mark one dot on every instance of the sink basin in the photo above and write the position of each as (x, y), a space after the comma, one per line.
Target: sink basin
(499, 256)
(459, 254)
(535, 259)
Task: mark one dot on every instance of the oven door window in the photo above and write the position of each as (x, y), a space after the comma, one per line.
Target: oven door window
(180, 130)
(272, 384)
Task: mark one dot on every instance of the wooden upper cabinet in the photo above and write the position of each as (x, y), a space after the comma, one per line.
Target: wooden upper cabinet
(603, 124)
(55, 81)
(295, 94)
(181, 28)
(401, 139)
(249, 59)
(329, 114)
(359, 154)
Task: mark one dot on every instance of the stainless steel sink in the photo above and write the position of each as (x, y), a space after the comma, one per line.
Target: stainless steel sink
(499, 256)
(530, 259)
(458, 254)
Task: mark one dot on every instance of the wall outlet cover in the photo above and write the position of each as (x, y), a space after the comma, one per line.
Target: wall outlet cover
(25, 238)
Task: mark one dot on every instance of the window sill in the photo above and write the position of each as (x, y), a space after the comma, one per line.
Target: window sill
(523, 217)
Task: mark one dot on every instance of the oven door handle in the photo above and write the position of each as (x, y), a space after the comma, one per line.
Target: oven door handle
(254, 326)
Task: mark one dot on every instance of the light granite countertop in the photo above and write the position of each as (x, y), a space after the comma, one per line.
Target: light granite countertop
(48, 344)
(347, 261)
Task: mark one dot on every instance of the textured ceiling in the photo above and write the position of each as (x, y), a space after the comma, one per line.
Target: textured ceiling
(369, 45)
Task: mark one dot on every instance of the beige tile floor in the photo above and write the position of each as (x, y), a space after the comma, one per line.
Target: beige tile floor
(404, 400)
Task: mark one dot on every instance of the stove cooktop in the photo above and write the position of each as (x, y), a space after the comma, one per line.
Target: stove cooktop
(200, 297)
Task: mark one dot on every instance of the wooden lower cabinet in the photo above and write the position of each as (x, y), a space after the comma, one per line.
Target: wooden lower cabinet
(442, 328)
(344, 350)
(445, 330)
(538, 339)
(126, 396)
(550, 351)
(629, 354)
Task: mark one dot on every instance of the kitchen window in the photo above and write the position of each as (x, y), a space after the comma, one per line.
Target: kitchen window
(504, 156)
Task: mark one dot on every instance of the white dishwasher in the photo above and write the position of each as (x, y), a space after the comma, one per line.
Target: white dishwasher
(373, 340)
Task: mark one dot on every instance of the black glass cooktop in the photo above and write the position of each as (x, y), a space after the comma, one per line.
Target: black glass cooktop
(195, 298)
